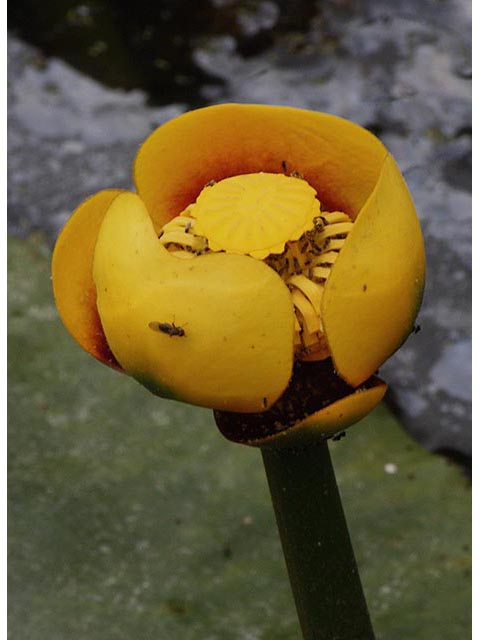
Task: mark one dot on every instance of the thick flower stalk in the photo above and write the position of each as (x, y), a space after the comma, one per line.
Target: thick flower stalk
(269, 262)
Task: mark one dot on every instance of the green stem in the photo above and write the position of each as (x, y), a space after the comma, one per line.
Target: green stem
(316, 544)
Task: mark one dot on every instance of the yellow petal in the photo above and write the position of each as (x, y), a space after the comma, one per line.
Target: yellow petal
(235, 345)
(73, 285)
(339, 159)
(375, 287)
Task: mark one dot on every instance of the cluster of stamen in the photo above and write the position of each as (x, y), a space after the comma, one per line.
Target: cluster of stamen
(304, 265)
(178, 236)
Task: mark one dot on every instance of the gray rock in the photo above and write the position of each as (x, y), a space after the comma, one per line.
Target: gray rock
(452, 372)
(68, 137)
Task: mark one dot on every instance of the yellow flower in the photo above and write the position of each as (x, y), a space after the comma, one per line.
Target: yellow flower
(262, 242)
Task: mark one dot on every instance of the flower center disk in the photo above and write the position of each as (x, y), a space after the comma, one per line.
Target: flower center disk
(255, 214)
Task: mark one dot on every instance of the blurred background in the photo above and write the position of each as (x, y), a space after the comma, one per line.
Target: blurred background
(129, 515)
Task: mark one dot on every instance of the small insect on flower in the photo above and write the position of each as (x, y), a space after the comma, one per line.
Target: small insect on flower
(171, 329)
(297, 174)
(319, 222)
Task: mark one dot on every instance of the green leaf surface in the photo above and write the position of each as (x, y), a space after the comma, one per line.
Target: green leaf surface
(131, 518)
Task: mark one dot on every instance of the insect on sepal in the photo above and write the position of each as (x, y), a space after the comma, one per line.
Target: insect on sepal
(169, 328)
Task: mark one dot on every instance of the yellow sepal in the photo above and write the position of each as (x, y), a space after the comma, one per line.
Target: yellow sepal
(375, 287)
(73, 286)
(235, 352)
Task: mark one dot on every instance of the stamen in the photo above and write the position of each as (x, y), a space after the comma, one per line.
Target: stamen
(309, 319)
(179, 238)
(336, 244)
(309, 289)
(328, 258)
(180, 223)
(320, 273)
(336, 229)
(182, 254)
(332, 217)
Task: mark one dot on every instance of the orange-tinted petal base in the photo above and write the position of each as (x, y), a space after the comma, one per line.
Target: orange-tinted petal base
(73, 285)
(339, 159)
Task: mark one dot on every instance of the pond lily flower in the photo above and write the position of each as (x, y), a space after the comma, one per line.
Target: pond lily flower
(269, 262)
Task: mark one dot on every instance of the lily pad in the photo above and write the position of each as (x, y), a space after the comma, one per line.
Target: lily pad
(131, 517)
